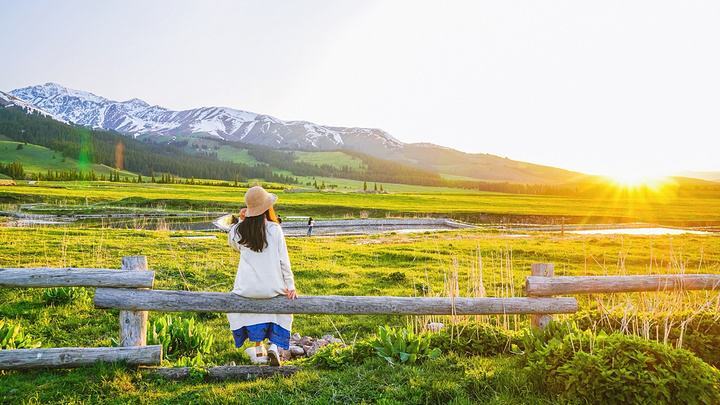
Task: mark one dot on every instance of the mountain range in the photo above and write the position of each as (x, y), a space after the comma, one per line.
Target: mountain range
(136, 117)
(139, 119)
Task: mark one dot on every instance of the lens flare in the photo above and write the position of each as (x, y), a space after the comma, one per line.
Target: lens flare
(119, 156)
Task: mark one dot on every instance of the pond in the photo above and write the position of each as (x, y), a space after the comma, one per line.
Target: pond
(639, 231)
(204, 222)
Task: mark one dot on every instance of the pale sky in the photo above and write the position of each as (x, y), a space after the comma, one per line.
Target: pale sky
(603, 87)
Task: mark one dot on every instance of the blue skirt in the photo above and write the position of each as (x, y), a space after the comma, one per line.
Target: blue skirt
(258, 332)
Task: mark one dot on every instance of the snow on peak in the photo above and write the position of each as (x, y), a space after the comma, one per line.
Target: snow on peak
(135, 117)
(8, 100)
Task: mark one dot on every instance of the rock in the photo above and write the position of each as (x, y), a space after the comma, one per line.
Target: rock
(328, 337)
(314, 347)
(434, 326)
(307, 348)
(335, 340)
(305, 340)
(284, 354)
(296, 337)
(297, 351)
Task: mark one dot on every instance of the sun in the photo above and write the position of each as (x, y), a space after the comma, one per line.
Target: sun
(638, 178)
(631, 179)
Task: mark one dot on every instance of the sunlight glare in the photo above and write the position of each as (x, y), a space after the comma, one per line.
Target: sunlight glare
(635, 178)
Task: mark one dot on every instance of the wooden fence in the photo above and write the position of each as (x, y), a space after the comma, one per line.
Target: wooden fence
(132, 350)
(129, 289)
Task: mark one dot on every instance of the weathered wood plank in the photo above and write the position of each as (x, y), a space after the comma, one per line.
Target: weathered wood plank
(69, 357)
(169, 301)
(221, 373)
(133, 324)
(547, 286)
(541, 270)
(74, 277)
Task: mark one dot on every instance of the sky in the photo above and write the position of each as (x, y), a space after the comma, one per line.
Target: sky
(602, 87)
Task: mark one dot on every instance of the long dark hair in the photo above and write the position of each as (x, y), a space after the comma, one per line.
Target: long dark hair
(252, 230)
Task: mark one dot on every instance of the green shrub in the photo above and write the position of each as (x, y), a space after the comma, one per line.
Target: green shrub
(336, 356)
(179, 336)
(701, 336)
(63, 295)
(581, 366)
(474, 339)
(403, 346)
(13, 337)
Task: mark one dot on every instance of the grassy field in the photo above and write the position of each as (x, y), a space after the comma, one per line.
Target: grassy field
(39, 159)
(367, 265)
(232, 154)
(334, 158)
(472, 206)
(381, 265)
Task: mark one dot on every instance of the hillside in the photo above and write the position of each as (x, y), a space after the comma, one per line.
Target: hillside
(115, 150)
(39, 159)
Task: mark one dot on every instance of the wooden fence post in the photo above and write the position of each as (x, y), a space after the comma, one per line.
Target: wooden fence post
(541, 270)
(133, 324)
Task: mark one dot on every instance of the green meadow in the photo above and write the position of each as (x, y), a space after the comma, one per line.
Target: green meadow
(386, 264)
(490, 367)
(411, 201)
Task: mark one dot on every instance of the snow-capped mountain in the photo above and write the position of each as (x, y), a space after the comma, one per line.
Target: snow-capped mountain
(136, 117)
(8, 100)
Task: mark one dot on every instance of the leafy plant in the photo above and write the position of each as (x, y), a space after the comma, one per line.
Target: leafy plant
(701, 334)
(179, 336)
(474, 339)
(13, 337)
(63, 295)
(403, 346)
(335, 356)
(616, 368)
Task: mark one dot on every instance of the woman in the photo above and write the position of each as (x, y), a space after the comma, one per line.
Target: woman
(263, 272)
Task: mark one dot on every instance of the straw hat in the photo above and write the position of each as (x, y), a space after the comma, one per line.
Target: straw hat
(258, 201)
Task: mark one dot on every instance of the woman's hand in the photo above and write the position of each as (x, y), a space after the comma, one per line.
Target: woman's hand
(242, 214)
(290, 294)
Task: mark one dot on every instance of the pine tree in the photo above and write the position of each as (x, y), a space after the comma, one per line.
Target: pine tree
(381, 188)
(364, 185)
(376, 187)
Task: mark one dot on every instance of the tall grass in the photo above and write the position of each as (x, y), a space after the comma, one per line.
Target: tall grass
(662, 316)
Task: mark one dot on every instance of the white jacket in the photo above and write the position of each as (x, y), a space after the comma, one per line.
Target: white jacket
(263, 274)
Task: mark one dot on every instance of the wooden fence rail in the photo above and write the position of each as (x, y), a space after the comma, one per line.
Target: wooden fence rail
(547, 286)
(180, 301)
(67, 357)
(129, 290)
(75, 277)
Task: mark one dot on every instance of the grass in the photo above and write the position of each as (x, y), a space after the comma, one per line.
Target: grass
(39, 159)
(236, 155)
(472, 206)
(335, 159)
(364, 265)
(467, 263)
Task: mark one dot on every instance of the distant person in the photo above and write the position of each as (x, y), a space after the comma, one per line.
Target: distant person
(279, 219)
(263, 272)
(311, 223)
